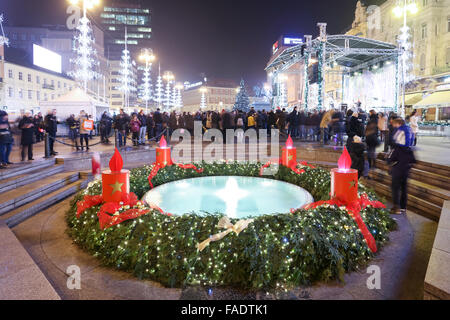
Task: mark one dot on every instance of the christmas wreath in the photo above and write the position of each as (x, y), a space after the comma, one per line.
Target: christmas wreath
(318, 243)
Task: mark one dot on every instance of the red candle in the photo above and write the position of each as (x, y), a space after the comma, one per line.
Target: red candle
(116, 181)
(344, 181)
(289, 154)
(96, 164)
(163, 157)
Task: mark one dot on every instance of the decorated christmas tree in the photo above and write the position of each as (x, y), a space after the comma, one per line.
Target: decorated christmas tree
(85, 60)
(242, 100)
(159, 89)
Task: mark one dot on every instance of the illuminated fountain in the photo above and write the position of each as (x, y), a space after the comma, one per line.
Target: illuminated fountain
(235, 196)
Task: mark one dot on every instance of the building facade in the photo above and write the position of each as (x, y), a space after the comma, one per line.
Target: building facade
(23, 85)
(60, 40)
(116, 97)
(219, 94)
(430, 37)
(132, 14)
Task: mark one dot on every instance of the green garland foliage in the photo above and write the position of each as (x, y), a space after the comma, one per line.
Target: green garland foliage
(275, 252)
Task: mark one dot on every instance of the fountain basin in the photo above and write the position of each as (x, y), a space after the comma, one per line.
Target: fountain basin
(235, 196)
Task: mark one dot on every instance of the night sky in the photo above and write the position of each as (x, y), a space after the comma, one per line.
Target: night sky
(223, 39)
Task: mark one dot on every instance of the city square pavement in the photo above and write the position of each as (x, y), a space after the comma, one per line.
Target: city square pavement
(428, 149)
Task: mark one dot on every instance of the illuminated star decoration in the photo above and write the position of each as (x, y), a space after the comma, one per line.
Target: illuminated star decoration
(3, 39)
(116, 187)
(290, 157)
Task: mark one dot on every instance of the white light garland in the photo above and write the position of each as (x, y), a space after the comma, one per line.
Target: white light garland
(126, 74)
(159, 89)
(3, 39)
(85, 60)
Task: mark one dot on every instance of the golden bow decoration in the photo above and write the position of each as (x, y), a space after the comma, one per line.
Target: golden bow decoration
(225, 223)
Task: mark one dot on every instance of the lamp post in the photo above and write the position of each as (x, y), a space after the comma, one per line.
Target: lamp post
(148, 57)
(84, 49)
(401, 10)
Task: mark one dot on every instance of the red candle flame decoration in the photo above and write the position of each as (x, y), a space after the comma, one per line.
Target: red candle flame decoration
(345, 161)
(163, 142)
(116, 162)
(289, 142)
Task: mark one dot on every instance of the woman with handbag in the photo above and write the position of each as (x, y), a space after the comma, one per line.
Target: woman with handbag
(6, 140)
(26, 124)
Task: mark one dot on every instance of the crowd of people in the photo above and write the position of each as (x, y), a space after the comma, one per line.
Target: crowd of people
(365, 132)
(32, 129)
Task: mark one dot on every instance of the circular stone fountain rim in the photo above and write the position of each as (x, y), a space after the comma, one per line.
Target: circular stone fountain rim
(310, 198)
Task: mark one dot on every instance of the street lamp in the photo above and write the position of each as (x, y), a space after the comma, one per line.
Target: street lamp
(87, 4)
(148, 57)
(402, 9)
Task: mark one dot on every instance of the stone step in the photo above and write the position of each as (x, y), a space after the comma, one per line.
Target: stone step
(22, 168)
(27, 178)
(16, 216)
(13, 199)
(416, 188)
(438, 180)
(415, 204)
(439, 169)
(20, 277)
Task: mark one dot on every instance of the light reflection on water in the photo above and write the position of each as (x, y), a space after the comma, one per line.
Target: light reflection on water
(237, 197)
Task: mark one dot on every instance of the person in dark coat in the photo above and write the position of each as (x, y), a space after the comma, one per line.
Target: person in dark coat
(172, 122)
(292, 120)
(354, 128)
(26, 124)
(338, 127)
(74, 127)
(401, 159)
(372, 142)
(51, 127)
(105, 127)
(158, 120)
(6, 140)
(271, 121)
(356, 150)
(121, 123)
(39, 127)
(150, 126)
